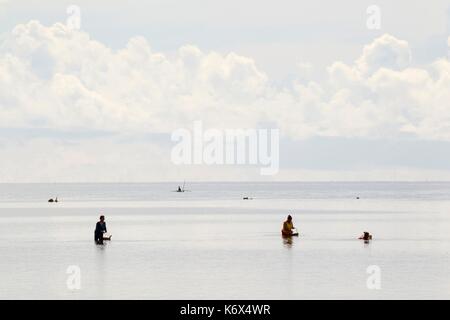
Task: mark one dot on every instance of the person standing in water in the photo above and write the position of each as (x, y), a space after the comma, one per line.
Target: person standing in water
(366, 236)
(288, 226)
(100, 229)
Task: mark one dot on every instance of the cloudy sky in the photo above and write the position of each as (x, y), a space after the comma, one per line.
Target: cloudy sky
(100, 103)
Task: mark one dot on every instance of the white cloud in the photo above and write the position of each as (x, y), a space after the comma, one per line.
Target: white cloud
(58, 78)
(61, 78)
(384, 52)
(54, 77)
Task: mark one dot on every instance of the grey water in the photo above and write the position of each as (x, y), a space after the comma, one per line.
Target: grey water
(209, 243)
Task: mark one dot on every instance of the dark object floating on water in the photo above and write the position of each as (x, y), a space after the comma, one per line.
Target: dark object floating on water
(366, 236)
(51, 200)
(357, 197)
(181, 189)
(247, 198)
(295, 234)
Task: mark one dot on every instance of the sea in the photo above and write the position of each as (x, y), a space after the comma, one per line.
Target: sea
(210, 243)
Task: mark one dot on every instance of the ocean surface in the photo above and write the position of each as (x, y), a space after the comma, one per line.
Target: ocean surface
(209, 243)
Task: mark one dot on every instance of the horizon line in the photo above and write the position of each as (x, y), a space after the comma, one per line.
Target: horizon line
(235, 181)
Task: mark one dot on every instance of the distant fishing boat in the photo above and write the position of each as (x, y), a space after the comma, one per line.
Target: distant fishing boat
(181, 189)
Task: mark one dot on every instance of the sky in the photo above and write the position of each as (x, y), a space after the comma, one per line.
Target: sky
(99, 103)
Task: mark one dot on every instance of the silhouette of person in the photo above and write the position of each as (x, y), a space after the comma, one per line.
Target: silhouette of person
(100, 229)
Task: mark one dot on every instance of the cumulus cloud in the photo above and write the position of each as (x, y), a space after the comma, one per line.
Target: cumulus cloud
(384, 52)
(56, 77)
(59, 79)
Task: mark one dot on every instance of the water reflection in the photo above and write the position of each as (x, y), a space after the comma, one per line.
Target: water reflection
(100, 270)
(287, 241)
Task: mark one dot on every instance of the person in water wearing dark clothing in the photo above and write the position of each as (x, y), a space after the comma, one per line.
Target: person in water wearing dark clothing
(179, 189)
(288, 226)
(100, 229)
(366, 236)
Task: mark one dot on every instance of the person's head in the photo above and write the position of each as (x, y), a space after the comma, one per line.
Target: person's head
(289, 218)
(102, 218)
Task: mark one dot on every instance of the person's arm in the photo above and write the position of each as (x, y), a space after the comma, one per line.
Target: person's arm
(105, 227)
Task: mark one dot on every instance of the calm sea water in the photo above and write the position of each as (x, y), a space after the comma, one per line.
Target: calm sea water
(209, 243)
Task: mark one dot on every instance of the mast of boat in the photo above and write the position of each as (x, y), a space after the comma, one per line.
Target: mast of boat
(184, 182)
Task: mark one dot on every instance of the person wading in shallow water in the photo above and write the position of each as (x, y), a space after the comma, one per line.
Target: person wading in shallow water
(366, 236)
(100, 229)
(288, 227)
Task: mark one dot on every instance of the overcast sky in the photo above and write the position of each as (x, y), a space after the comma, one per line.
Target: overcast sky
(100, 103)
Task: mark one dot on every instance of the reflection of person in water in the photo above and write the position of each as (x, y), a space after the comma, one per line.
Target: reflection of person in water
(287, 241)
(288, 226)
(100, 229)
